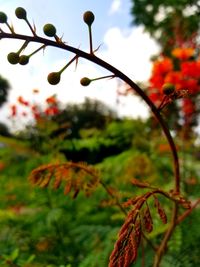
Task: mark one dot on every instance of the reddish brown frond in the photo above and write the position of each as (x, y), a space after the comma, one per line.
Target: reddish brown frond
(126, 247)
(147, 219)
(131, 201)
(160, 210)
(140, 184)
(74, 176)
(186, 204)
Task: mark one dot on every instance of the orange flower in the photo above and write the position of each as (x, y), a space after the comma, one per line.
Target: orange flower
(22, 101)
(183, 53)
(51, 100)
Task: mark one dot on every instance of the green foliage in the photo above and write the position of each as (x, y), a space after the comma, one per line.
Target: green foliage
(164, 19)
(4, 88)
(43, 227)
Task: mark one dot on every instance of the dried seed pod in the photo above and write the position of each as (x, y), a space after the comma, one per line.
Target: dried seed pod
(13, 58)
(168, 88)
(49, 30)
(85, 81)
(23, 60)
(3, 17)
(20, 13)
(88, 18)
(53, 78)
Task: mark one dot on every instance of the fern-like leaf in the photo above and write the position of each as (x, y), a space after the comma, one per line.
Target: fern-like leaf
(74, 176)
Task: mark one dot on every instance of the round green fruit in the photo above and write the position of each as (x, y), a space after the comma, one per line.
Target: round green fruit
(3, 17)
(85, 81)
(23, 60)
(49, 30)
(20, 13)
(13, 58)
(88, 18)
(53, 78)
(168, 88)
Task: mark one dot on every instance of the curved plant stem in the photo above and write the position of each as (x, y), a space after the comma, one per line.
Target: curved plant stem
(117, 73)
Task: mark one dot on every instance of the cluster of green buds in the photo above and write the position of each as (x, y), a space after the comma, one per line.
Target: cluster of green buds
(16, 57)
(50, 31)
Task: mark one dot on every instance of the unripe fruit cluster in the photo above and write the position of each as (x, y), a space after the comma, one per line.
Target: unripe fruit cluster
(20, 13)
(85, 81)
(3, 17)
(88, 18)
(49, 30)
(168, 88)
(13, 58)
(53, 78)
(23, 60)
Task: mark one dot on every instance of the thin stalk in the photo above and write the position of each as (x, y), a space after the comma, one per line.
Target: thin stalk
(163, 246)
(187, 212)
(31, 28)
(23, 47)
(37, 50)
(69, 63)
(90, 39)
(10, 28)
(103, 77)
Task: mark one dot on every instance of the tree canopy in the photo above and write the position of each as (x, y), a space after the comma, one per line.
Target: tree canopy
(4, 87)
(169, 21)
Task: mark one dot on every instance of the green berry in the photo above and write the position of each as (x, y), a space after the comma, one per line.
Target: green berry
(3, 17)
(53, 78)
(85, 81)
(23, 60)
(13, 58)
(49, 30)
(20, 13)
(168, 88)
(88, 18)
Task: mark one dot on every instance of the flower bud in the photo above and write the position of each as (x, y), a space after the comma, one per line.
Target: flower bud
(168, 88)
(23, 60)
(53, 78)
(13, 58)
(85, 81)
(88, 18)
(20, 13)
(49, 30)
(3, 17)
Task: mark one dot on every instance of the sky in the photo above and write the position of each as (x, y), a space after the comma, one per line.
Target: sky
(123, 45)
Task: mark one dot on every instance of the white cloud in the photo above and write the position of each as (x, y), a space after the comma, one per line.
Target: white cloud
(115, 7)
(130, 52)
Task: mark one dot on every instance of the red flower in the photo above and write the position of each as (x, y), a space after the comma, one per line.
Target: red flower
(188, 106)
(13, 110)
(191, 68)
(161, 67)
(51, 111)
(22, 101)
(174, 77)
(51, 100)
